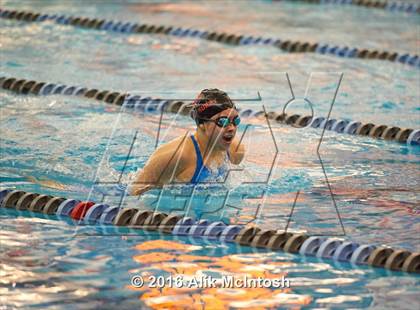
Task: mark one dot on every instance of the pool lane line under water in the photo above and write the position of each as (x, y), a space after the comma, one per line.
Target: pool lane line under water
(151, 105)
(392, 6)
(337, 249)
(221, 37)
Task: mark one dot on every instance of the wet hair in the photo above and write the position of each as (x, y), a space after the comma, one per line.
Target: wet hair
(209, 103)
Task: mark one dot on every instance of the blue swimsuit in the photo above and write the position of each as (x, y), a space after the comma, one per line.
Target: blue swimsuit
(202, 173)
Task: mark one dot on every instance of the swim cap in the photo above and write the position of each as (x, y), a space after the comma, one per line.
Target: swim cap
(210, 102)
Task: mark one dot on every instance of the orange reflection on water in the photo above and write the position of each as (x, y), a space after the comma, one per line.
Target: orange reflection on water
(164, 245)
(171, 257)
(153, 257)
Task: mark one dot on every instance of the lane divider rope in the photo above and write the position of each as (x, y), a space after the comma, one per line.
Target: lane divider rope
(88, 212)
(151, 105)
(392, 6)
(221, 37)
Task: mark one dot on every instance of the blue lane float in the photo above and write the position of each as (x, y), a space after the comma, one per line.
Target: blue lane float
(198, 228)
(230, 232)
(317, 121)
(3, 193)
(327, 124)
(108, 215)
(95, 212)
(328, 248)
(340, 125)
(311, 245)
(246, 113)
(47, 89)
(69, 90)
(183, 227)
(79, 91)
(361, 254)
(214, 230)
(345, 251)
(352, 127)
(414, 138)
(58, 89)
(64, 20)
(66, 207)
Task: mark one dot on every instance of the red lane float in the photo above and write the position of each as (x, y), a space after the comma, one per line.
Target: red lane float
(80, 210)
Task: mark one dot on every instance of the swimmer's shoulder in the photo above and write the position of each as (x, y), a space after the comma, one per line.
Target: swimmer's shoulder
(179, 148)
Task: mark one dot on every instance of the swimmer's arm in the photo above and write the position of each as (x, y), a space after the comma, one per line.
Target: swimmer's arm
(237, 151)
(160, 169)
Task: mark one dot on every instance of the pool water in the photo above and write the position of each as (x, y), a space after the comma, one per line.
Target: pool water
(70, 147)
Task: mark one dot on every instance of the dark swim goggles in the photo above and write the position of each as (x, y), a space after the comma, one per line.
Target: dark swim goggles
(224, 121)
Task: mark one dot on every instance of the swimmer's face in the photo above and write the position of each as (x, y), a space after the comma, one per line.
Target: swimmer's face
(221, 137)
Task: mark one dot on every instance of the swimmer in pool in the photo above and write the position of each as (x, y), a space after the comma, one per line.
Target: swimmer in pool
(187, 159)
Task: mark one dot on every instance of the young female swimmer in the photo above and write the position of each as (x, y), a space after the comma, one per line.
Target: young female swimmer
(186, 159)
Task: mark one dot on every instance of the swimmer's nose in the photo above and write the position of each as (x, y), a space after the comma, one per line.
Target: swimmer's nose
(230, 128)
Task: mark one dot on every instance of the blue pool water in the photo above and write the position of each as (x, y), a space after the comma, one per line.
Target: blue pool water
(62, 146)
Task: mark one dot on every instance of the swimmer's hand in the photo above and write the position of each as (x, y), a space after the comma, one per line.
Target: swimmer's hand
(138, 190)
(237, 151)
